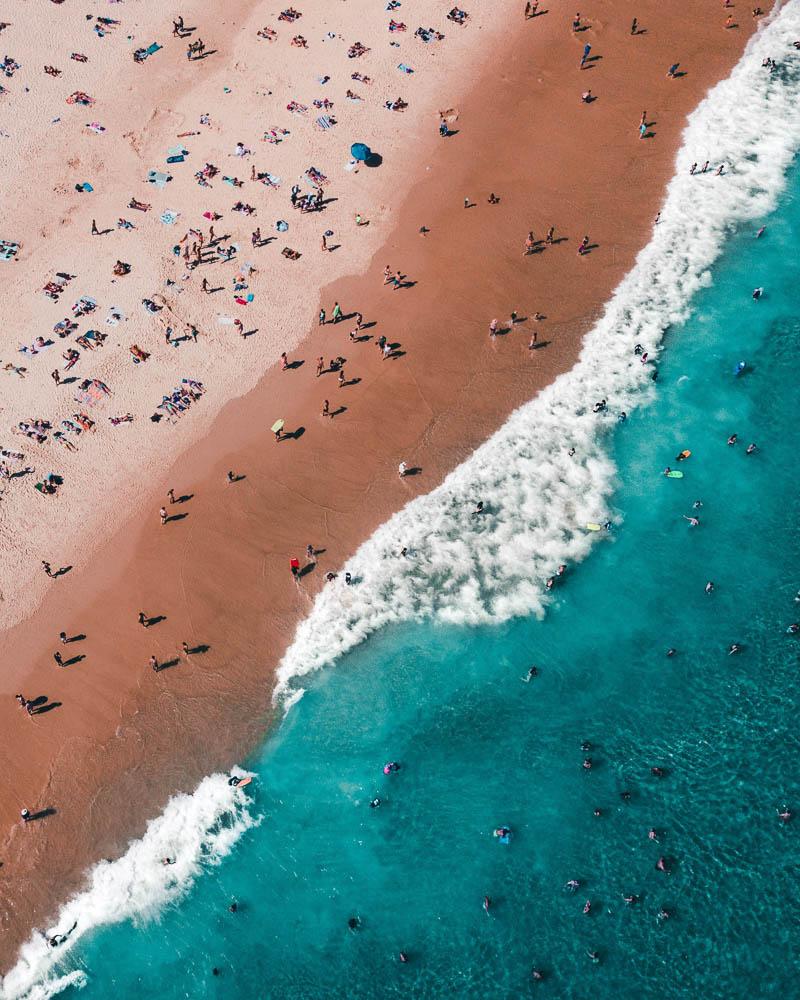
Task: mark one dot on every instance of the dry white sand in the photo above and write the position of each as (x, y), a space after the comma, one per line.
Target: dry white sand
(46, 148)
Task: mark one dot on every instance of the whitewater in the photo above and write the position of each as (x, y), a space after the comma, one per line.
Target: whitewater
(542, 477)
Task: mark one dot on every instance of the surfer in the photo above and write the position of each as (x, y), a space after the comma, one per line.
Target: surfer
(793, 629)
(693, 521)
(587, 906)
(732, 440)
(751, 448)
(667, 471)
(740, 368)
(354, 923)
(757, 293)
(374, 803)
(734, 648)
(671, 651)
(502, 831)
(550, 582)
(682, 456)
(391, 767)
(478, 508)
(600, 406)
(761, 230)
(630, 900)
(168, 861)
(532, 672)
(403, 957)
(487, 902)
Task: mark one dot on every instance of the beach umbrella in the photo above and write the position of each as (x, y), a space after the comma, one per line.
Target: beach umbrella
(360, 152)
(277, 426)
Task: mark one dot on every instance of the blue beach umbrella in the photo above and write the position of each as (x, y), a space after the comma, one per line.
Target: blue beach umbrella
(360, 152)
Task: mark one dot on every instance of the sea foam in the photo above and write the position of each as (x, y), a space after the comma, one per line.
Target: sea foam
(195, 831)
(539, 494)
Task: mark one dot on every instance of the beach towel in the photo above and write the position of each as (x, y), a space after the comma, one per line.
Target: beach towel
(89, 396)
(151, 49)
(157, 178)
(169, 217)
(8, 250)
(404, 68)
(325, 122)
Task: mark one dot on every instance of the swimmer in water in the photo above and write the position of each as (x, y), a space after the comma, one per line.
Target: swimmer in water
(734, 648)
(697, 504)
(657, 772)
(693, 521)
(625, 796)
(751, 448)
(586, 746)
(502, 831)
(710, 587)
(487, 902)
(671, 651)
(587, 763)
(354, 923)
(793, 629)
(757, 293)
(594, 955)
(732, 440)
(662, 865)
(168, 861)
(572, 885)
(374, 803)
(761, 230)
(785, 814)
(561, 569)
(652, 834)
(537, 974)
(391, 767)
(403, 957)
(532, 672)
(478, 508)
(664, 913)
(597, 813)
(587, 906)
(630, 900)
(550, 582)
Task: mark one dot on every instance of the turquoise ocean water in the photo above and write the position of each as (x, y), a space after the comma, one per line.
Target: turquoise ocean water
(479, 748)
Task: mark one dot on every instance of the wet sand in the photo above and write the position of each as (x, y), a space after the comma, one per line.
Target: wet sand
(124, 738)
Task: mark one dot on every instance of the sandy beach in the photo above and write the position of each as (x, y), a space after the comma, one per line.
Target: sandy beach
(122, 738)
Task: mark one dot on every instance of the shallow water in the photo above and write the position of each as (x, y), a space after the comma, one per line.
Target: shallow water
(480, 748)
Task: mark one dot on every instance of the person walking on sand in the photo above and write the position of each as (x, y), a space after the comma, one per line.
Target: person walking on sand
(576, 22)
(387, 275)
(239, 326)
(48, 569)
(642, 130)
(583, 248)
(402, 469)
(56, 376)
(154, 664)
(58, 658)
(321, 321)
(493, 328)
(171, 495)
(294, 566)
(532, 342)
(95, 230)
(326, 408)
(186, 651)
(320, 366)
(341, 379)
(163, 515)
(586, 50)
(530, 244)
(336, 315)
(551, 232)
(144, 621)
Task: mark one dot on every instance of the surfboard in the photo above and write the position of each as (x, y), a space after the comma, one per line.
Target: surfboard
(591, 526)
(243, 781)
(684, 454)
(674, 475)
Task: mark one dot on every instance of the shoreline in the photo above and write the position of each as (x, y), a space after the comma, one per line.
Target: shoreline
(468, 391)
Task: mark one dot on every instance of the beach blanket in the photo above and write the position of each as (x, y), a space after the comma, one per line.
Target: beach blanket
(157, 178)
(89, 396)
(325, 122)
(169, 217)
(8, 250)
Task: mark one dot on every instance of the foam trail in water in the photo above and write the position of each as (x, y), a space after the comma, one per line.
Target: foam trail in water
(539, 495)
(195, 830)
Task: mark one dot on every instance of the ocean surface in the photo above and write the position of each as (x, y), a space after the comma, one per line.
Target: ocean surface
(439, 684)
